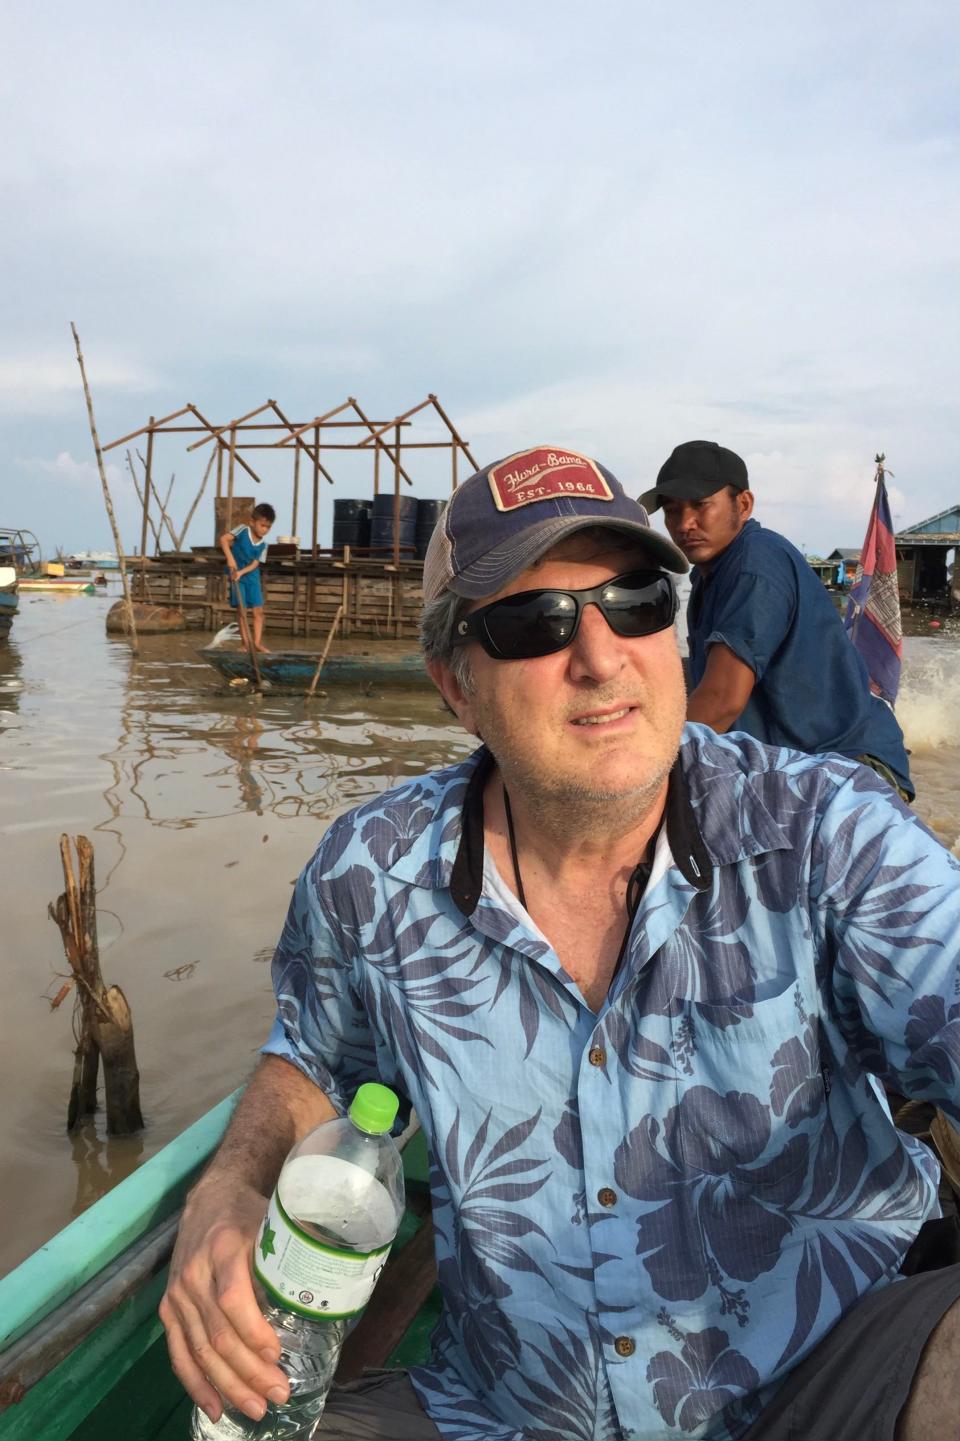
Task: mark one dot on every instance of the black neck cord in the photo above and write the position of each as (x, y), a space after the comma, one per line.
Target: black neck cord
(636, 885)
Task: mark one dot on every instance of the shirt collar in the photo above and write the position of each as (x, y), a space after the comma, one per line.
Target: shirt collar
(716, 814)
(683, 835)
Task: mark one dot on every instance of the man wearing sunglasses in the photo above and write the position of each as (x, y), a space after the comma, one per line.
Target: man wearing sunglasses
(768, 651)
(636, 980)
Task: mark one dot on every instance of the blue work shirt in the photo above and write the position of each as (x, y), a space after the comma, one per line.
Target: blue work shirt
(763, 601)
(646, 1215)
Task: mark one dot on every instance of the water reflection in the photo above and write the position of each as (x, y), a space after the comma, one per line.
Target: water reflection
(11, 679)
(100, 1162)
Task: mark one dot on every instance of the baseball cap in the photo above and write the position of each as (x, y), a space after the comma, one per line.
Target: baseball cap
(695, 470)
(510, 513)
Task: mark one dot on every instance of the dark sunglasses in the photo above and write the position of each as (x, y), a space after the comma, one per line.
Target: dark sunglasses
(539, 622)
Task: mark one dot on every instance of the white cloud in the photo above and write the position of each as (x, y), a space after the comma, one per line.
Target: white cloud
(43, 382)
(82, 473)
(558, 219)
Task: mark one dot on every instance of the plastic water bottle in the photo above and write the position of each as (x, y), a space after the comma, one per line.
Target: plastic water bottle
(324, 1241)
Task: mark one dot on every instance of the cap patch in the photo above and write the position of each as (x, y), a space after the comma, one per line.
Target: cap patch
(543, 474)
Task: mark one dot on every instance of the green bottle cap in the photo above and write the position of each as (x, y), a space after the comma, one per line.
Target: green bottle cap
(374, 1108)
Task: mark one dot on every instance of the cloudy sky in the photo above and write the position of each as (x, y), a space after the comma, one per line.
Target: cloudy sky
(614, 226)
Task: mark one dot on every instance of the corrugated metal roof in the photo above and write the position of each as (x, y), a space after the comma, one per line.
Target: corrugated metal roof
(946, 523)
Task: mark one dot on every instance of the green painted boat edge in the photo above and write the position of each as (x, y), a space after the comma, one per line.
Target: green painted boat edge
(65, 1263)
(117, 1385)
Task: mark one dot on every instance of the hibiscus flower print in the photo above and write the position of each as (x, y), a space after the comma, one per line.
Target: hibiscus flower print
(704, 1177)
(706, 1375)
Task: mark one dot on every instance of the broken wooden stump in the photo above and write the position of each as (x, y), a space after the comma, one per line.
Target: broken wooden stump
(102, 1023)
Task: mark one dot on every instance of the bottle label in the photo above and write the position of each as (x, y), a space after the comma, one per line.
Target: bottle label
(306, 1275)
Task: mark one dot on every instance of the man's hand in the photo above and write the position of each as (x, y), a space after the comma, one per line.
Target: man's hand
(221, 1347)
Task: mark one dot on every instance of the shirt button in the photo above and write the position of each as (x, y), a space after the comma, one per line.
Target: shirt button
(606, 1197)
(598, 1056)
(624, 1346)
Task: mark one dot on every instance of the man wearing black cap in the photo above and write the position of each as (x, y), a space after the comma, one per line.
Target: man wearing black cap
(768, 651)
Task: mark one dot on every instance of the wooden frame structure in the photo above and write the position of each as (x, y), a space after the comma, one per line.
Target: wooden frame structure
(377, 594)
(303, 439)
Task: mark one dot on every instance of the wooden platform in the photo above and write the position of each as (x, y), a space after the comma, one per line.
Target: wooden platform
(301, 593)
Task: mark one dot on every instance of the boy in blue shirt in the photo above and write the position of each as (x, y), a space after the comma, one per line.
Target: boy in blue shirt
(245, 547)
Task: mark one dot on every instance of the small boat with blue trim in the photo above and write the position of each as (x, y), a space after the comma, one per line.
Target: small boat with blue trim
(365, 663)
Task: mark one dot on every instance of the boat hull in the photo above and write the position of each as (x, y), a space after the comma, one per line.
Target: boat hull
(9, 605)
(87, 1302)
(55, 585)
(294, 670)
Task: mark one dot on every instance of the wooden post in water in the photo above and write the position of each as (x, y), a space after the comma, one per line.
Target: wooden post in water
(103, 1024)
(131, 619)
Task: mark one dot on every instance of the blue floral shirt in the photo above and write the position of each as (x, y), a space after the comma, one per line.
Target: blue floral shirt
(646, 1215)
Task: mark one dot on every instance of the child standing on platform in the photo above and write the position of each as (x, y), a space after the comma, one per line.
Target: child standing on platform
(245, 547)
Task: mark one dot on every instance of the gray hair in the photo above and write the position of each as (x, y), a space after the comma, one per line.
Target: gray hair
(438, 622)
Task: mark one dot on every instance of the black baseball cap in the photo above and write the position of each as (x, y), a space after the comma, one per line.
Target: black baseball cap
(695, 470)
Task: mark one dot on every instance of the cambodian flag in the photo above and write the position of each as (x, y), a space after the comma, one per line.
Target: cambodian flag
(873, 610)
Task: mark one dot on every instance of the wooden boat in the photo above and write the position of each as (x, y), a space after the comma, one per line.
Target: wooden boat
(19, 548)
(295, 669)
(58, 584)
(9, 599)
(82, 1351)
(92, 560)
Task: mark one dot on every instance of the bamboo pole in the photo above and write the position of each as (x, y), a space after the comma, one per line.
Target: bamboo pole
(452, 429)
(233, 456)
(297, 430)
(164, 517)
(372, 427)
(326, 650)
(316, 488)
(145, 429)
(146, 496)
(301, 443)
(136, 486)
(248, 627)
(240, 460)
(237, 424)
(296, 489)
(396, 503)
(131, 619)
(214, 455)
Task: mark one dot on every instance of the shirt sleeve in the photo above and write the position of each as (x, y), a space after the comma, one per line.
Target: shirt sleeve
(888, 910)
(322, 1025)
(752, 617)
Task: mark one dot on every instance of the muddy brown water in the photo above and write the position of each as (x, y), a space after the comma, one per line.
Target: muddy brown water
(203, 805)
